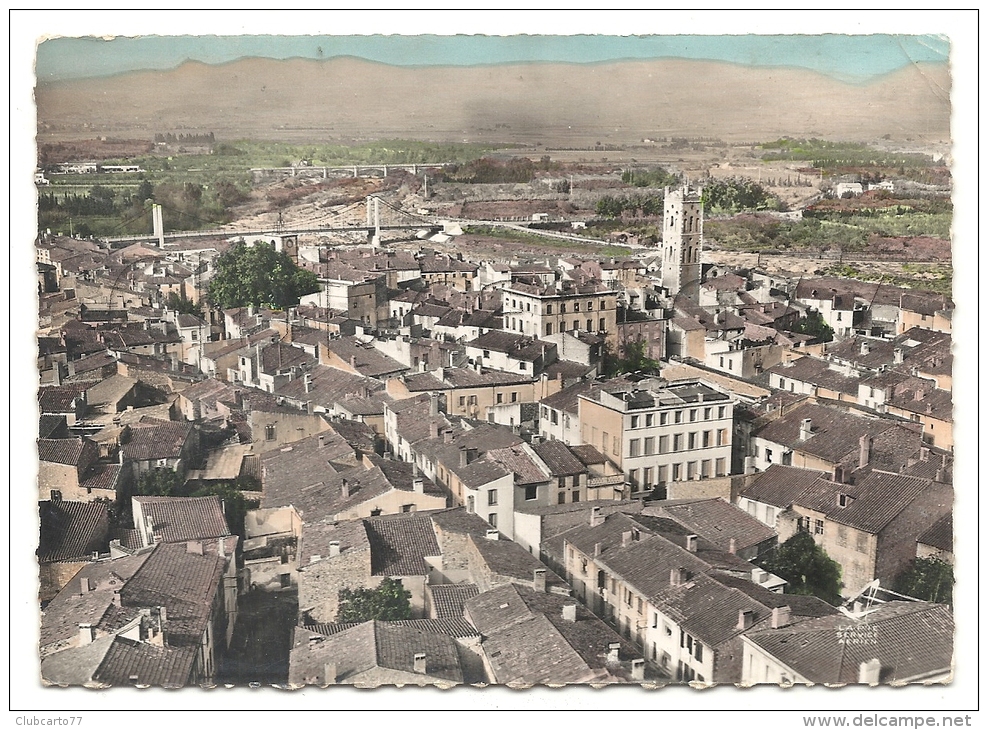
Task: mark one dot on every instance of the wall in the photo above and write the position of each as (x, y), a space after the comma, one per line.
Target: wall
(319, 583)
(55, 576)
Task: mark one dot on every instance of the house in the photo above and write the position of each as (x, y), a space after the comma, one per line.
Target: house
(661, 432)
(925, 311)
(178, 519)
(870, 527)
(895, 642)
(158, 444)
(73, 534)
(377, 652)
(510, 353)
(70, 469)
(531, 637)
(542, 310)
(938, 541)
(717, 520)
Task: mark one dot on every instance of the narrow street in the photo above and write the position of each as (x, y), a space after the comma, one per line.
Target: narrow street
(261, 640)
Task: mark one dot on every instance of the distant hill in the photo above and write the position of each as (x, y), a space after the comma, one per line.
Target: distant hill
(553, 103)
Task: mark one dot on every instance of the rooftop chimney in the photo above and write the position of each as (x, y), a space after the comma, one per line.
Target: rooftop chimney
(418, 485)
(418, 662)
(869, 672)
(781, 617)
(677, 576)
(194, 547)
(86, 634)
(492, 535)
(353, 362)
(448, 436)
(539, 580)
(345, 487)
(329, 673)
(865, 347)
(569, 612)
(322, 440)
(464, 456)
(733, 546)
(221, 547)
(864, 452)
(637, 670)
(745, 619)
(307, 379)
(596, 517)
(334, 548)
(434, 429)
(897, 356)
(597, 549)
(805, 429)
(433, 404)
(626, 538)
(613, 652)
(691, 541)
(85, 585)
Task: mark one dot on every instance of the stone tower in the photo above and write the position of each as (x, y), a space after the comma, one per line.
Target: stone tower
(682, 240)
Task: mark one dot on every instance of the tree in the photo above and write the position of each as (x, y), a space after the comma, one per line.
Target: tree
(259, 276)
(159, 483)
(388, 602)
(807, 568)
(234, 503)
(929, 579)
(812, 324)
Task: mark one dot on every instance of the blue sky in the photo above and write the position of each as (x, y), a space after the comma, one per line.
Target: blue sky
(853, 58)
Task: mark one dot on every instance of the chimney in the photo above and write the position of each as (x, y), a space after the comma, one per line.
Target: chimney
(805, 429)
(597, 549)
(941, 476)
(322, 440)
(596, 517)
(677, 576)
(569, 612)
(353, 362)
(418, 485)
(613, 651)
(869, 672)
(433, 404)
(691, 541)
(745, 619)
(85, 585)
(345, 487)
(464, 456)
(334, 548)
(839, 474)
(865, 348)
(864, 452)
(116, 598)
(418, 662)
(492, 535)
(448, 436)
(329, 673)
(86, 634)
(924, 453)
(897, 356)
(194, 547)
(221, 547)
(637, 670)
(626, 538)
(307, 380)
(538, 581)
(733, 546)
(780, 617)
(434, 429)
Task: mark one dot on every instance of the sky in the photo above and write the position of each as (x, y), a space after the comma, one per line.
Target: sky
(847, 57)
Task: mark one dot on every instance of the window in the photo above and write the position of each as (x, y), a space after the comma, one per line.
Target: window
(647, 477)
(531, 492)
(500, 397)
(603, 325)
(649, 419)
(818, 527)
(677, 442)
(722, 437)
(576, 306)
(705, 468)
(473, 400)
(635, 447)
(634, 421)
(492, 519)
(376, 512)
(589, 306)
(627, 597)
(698, 651)
(663, 473)
(678, 417)
(691, 470)
(576, 324)
(692, 440)
(408, 508)
(676, 468)
(463, 400)
(603, 441)
(706, 439)
(562, 308)
(706, 413)
(269, 432)
(603, 305)
(721, 410)
(576, 495)
(641, 606)
(514, 397)
(562, 498)
(491, 497)
(768, 455)
(589, 325)
(286, 580)
(548, 310)
(649, 445)
(528, 306)
(633, 477)
(692, 415)
(615, 446)
(55, 495)
(548, 328)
